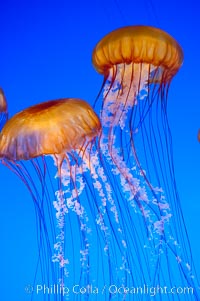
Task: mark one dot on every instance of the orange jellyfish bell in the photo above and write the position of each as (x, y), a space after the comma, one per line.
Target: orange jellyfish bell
(52, 127)
(137, 62)
(3, 102)
(3, 109)
(138, 44)
(198, 135)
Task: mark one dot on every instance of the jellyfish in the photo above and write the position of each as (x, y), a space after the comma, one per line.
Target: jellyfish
(69, 195)
(198, 135)
(109, 219)
(138, 64)
(3, 109)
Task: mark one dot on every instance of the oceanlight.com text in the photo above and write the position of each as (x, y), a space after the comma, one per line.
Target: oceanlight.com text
(58, 289)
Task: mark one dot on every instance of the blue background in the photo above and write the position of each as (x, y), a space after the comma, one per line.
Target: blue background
(45, 53)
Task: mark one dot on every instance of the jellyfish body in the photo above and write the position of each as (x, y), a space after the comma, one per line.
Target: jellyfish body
(49, 128)
(138, 64)
(3, 109)
(69, 205)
